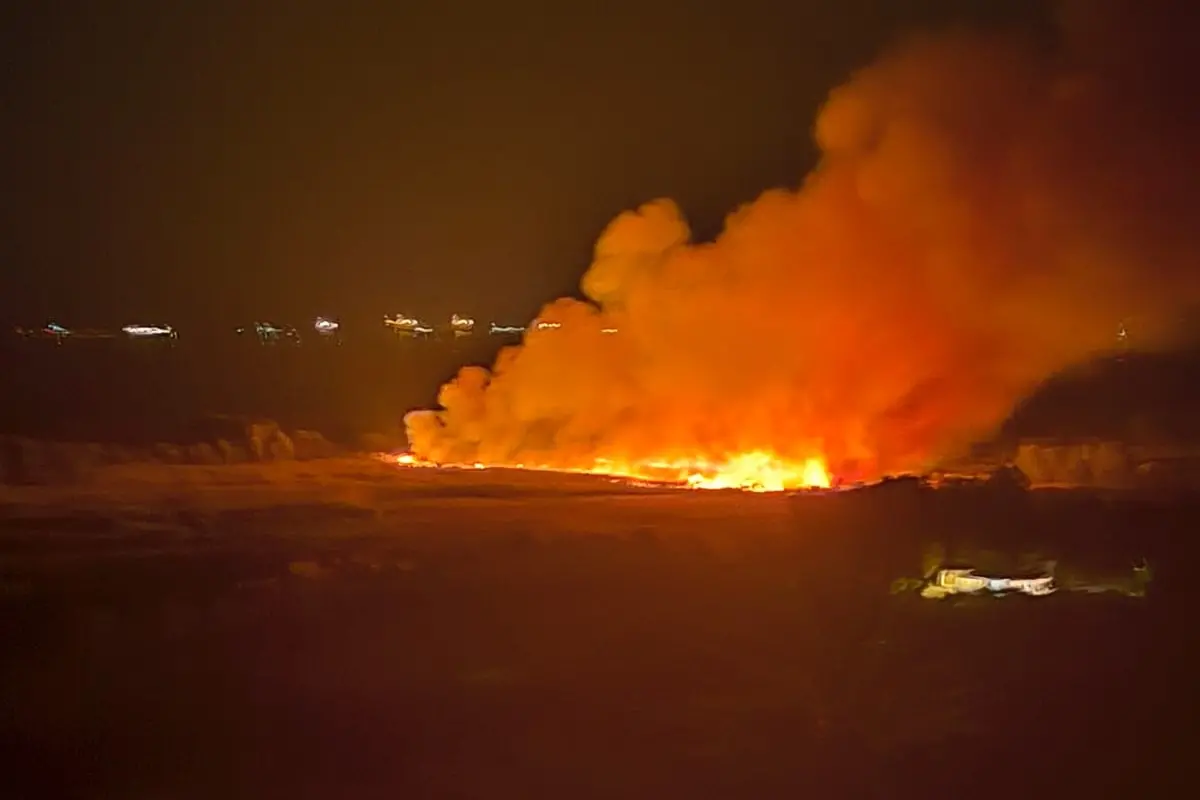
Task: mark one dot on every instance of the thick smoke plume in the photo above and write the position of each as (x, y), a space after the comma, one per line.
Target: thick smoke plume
(986, 212)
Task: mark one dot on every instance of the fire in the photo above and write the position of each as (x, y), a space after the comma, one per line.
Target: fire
(756, 471)
(759, 471)
(983, 211)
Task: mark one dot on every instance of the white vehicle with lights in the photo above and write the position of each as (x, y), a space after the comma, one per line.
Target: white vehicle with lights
(948, 582)
(407, 326)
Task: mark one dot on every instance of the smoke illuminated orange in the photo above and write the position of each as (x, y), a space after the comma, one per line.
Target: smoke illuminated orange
(985, 212)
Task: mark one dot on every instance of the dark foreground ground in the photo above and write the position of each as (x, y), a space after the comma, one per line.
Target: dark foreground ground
(480, 635)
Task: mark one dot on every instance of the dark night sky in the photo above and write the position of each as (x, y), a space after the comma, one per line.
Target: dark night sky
(205, 163)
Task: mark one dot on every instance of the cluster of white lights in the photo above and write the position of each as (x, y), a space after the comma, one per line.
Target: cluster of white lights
(402, 321)
(326, 326)
(149, 330)
(964, 581)
(497, 329)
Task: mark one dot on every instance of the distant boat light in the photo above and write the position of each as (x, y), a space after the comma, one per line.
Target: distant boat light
(143, 331)
(402, 322)
(502, 329)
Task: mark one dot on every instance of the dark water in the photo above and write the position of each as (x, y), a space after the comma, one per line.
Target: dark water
(118, 390)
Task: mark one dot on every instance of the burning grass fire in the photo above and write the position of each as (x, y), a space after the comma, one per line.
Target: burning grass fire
(985, 210)
(752, 472)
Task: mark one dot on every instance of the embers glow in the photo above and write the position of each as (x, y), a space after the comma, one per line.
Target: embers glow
(756, 471)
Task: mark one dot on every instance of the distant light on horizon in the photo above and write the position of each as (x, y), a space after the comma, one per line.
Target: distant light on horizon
(270, 332)
(146, 331)
(402, 322)
(404, 325)
(495, 329)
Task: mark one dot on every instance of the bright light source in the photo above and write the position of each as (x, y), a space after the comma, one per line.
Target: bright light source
(148, 331)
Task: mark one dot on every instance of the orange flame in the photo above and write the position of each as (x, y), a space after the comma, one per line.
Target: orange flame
(755, 471)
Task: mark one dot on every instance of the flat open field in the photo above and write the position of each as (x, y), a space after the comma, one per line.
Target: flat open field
(345, 629)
